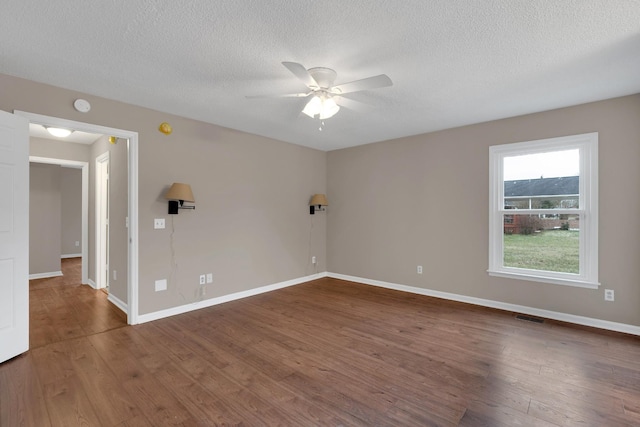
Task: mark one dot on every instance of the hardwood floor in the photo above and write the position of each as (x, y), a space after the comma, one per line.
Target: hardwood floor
(61, 308)
(325, 353)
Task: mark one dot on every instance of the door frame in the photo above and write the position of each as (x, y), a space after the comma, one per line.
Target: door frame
(132, 307)
(102, 163)
(84, 166)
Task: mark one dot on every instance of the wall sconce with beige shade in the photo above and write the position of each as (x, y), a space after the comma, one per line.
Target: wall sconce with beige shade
(177, 195)
(317, 202)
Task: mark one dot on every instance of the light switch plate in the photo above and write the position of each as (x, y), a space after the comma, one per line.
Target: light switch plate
(158, 223)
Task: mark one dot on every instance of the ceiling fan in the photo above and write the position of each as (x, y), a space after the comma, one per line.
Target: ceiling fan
(325, 98)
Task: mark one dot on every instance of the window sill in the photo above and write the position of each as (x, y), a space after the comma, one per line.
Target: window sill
(544, 279)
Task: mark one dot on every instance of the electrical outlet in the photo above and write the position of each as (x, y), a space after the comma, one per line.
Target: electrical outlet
(313, 260)
(161, 285)
(203, 279)
(209, 277)
(158, 223)
(609, 295)
(419, 269)
(77, 243)
(115, 275)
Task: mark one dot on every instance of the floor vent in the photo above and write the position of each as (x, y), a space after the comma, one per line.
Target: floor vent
(529, 318)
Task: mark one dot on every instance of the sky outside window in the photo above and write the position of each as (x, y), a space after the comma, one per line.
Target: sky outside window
(546, 165)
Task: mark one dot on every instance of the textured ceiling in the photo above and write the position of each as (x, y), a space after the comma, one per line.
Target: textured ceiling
(452, 62)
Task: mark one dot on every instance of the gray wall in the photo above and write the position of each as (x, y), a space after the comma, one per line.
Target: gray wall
(424, 200)
(71, 211)
(58, 149)
(393, 205)
(251, 226)
(44, 218)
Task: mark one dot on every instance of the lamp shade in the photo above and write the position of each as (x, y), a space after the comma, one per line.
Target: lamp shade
(319, 200)
(179, 191)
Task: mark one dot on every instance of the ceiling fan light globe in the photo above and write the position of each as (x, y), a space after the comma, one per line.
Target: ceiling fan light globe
(313, 107)
(329, 110)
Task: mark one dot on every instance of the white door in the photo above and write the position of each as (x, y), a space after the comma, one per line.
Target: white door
(14, 235)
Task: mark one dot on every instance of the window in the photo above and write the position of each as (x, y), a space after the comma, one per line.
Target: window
(543, 218)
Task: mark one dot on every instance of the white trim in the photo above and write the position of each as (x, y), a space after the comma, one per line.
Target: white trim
(132, 260)
(555, 315)
(92, 284)
(563, 317)
(101, 199)
(156, 315)
(132, 145)
(64, 256)
(533, 276)
(117, 302)
(45, 275)
(84, 224)
(72, 164)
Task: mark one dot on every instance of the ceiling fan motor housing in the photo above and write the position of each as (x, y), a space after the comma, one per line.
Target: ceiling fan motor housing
(323, 76)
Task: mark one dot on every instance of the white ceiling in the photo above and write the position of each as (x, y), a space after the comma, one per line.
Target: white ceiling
(453, 63)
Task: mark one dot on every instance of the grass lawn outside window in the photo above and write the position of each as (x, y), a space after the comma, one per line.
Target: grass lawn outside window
(550, 250)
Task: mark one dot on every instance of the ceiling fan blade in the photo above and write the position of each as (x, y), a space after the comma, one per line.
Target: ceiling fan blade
(301, 73)
(369, 83)
(287, 95)
(352, 104)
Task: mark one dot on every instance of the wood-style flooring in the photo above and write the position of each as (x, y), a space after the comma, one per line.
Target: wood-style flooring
(324, 353)
(61, 308)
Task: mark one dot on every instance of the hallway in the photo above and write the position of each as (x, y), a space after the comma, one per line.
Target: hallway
(61, 308)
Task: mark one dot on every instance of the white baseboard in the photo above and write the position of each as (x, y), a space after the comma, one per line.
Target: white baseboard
(563, 317)
(118, 303)
(45, 275)
(70, 256)
(92, 284)
(143, 318)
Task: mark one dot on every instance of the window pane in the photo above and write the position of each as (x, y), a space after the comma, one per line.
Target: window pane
(542, 242)
(542, 181)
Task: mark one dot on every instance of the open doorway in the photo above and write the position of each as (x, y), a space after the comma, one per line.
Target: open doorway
(84, 168)
(127, 299)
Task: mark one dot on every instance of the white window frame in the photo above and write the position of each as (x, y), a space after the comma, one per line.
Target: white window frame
(587, 144)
